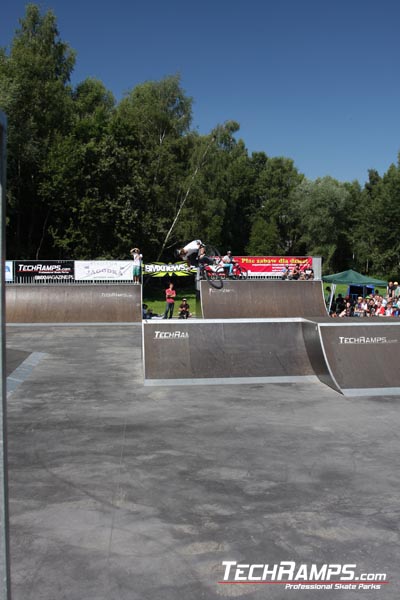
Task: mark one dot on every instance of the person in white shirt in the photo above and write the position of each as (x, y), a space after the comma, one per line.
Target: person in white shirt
(137, 264)
(190, 252)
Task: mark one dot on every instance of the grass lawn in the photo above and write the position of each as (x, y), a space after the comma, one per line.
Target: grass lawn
(154, 294)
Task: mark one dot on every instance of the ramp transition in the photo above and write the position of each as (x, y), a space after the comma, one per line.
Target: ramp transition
(352, 358)
(261, 299)
(361, 356)
(73, 303)
(225, 351)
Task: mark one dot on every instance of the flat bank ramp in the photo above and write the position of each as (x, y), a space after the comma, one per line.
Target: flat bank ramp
(225, 351)
(261, 299)
(361, 355)
(73, 303)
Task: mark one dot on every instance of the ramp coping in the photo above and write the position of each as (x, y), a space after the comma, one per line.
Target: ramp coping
(384, 391)
(233, 380)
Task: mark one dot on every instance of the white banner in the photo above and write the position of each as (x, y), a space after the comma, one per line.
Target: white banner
(103, 270)
(9, 271)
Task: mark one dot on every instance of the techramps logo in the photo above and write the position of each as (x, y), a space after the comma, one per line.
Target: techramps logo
(171, 335)
(366, 340)
(294, 576)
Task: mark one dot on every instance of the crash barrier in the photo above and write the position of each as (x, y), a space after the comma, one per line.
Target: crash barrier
(352, 358)
(49, 303)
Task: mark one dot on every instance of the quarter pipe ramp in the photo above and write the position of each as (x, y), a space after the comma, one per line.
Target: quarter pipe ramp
(73, 303)
(225, 351)
(352, 357)
(262, 299)
(361, 355)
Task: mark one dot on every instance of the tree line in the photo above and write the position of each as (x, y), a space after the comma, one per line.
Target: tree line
(89, 177)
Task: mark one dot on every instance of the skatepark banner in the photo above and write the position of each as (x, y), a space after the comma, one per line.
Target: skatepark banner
(44, 270)
(159, 269)
(9, 271)
(103, 270)
(274, 265)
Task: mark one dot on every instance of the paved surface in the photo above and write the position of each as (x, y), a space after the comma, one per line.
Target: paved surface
(262, 299)
(73, 303)
(121, 492)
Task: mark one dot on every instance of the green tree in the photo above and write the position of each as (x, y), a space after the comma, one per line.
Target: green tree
(323, 207)
(272, 204)
(35, 95)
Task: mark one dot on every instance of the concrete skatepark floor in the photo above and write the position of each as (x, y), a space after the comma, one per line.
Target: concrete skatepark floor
(125, 492)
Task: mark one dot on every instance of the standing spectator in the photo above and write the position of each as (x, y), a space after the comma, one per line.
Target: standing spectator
(137, 264)
(396, 290)
(170, 294)
(340, 303)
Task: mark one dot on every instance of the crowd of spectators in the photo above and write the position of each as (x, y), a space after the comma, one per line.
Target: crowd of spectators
(372, 305)
(296, 273)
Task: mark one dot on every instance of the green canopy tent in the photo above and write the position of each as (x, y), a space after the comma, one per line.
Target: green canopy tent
(351, 277)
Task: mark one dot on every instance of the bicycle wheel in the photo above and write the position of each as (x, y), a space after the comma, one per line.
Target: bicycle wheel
(213, 279)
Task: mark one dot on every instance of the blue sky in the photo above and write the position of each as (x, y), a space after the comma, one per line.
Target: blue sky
(315, 81)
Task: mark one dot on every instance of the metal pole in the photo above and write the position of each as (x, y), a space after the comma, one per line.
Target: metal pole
(5, 579)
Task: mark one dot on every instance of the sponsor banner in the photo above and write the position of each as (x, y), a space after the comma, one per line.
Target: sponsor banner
(44, 270)
(158, 269)
(103, 270)
(273, 264)
(9, 270)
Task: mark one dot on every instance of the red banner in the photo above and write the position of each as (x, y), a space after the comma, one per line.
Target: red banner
(273, 264)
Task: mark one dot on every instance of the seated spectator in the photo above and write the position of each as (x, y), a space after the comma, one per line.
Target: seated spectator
(227, 262)
(285, 273)
(184, 309)
(389, 310)
(396, 308)
(380, 310)
(371, 306)
(348, 310)
(361, 307)
(147, 313)
(295, 274)
(309, 272)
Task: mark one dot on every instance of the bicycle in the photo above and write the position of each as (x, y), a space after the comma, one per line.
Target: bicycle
(216, 273)
(213, 273)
